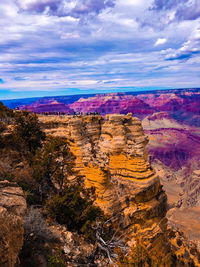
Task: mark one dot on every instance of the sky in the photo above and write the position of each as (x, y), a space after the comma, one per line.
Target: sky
(58, 47)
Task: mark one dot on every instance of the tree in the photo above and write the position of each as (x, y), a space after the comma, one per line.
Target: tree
(53, 164)
(27, 133)
(6, 114)
(2, 127)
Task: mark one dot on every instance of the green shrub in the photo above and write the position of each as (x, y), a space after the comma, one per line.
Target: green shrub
(140, 257)
(56, 260)
(53, 164)
(28, 134)
(9, 176)
(74, 210)
(2, 126)
(6, 114)
(31, 198)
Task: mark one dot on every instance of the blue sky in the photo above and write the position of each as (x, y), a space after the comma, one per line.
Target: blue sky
(57, 47)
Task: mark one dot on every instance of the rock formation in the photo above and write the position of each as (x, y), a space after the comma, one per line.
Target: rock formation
(53, 106)
(12, 210)
(111, 155)
(182, 104)
(113, 103)
(192, 189)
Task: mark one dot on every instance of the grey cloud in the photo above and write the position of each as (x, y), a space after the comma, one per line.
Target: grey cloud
(191, 12)
(60, 8)
(164, 12)
(38, 6)
(188, 50)
(184, 9)
(164, 5)
(182, 57)
(89, 6)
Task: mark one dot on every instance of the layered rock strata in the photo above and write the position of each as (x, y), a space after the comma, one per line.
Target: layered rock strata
(192, 189)
(12, 210)
(112, 157)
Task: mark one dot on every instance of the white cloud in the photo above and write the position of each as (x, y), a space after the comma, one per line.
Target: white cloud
(76, 52)
(160, 41)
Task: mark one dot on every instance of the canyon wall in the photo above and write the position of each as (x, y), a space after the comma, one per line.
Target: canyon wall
(111, 155)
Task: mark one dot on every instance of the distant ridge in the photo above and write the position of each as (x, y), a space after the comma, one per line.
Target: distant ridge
(69, 99)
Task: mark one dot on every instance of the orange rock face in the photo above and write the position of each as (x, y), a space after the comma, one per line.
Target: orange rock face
(111, 155)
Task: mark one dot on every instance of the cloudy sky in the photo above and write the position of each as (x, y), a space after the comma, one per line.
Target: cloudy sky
(57, 47)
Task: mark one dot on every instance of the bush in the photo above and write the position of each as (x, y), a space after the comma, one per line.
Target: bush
(140, 257)
(56, 260)
(75, 210)
(52, 165)
(28, 134)
(6, 114)
(2, 126)
(7, 176)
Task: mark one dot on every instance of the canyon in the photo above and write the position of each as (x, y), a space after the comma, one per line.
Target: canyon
(174, 151)
(111, 155)
(142, 159)
(171, 120)
(181, 104)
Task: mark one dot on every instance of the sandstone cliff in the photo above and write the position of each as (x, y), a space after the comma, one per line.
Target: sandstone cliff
(111, 155)
(12, 210)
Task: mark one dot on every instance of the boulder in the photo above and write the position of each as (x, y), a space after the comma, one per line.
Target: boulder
(12, 210)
